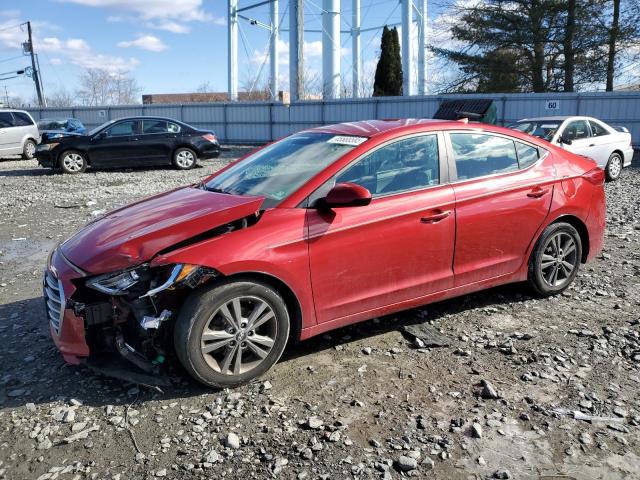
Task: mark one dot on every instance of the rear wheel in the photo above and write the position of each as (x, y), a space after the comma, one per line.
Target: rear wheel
(184, 158)
(555, 259)
(73, 161)
(29, 150)
(232, 333)
(614, 167)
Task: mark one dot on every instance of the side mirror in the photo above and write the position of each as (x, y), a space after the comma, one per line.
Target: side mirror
(565, 140)
(346, 195)
(99, 136)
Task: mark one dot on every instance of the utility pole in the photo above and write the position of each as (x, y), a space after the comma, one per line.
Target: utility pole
(422, 47)
(36, 77)
(407, 50)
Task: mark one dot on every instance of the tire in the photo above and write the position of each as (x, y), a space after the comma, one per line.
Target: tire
(558, 248)
(614, 167)
(213, 360)
(29, 149)
(184, 158)
(73, 162)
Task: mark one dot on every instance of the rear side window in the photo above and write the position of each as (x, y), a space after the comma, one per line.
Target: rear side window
(173, 128)
(6, 120)
(21, 119)
(478, 154)
(597, 130)
(401, 166)
(154, 126)
(527, 155)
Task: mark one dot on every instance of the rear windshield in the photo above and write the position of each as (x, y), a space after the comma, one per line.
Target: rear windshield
(538, 128)
(52, 124)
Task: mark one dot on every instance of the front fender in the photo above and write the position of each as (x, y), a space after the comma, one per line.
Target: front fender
(275, 246)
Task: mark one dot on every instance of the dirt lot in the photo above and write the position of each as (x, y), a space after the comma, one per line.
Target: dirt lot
(526, 388)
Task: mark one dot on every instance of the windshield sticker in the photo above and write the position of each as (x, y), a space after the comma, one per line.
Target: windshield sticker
(346, 140)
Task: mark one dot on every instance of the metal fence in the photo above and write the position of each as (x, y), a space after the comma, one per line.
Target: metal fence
(257, 122)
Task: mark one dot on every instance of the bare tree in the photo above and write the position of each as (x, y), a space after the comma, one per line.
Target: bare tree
(99, 87)
(61, 98)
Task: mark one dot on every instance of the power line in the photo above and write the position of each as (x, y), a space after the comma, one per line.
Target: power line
(12, 26)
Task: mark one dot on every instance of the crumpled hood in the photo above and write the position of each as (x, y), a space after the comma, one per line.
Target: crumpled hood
(134, 234)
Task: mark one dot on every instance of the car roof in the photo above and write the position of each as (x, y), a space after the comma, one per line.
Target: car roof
(371, 128)
(146, 117)
(559, 118)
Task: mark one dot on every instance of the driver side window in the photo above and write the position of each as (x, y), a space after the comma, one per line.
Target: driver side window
(124, 129)
(401, 166)
(576, 130)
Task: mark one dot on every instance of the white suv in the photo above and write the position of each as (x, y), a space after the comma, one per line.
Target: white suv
(19, 134)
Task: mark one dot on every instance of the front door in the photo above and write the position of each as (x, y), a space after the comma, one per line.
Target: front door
(398, 247)
(503, 194)
(579, 132)
(114, 146)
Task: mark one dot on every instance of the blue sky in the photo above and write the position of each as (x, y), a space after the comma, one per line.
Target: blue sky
(167, 45)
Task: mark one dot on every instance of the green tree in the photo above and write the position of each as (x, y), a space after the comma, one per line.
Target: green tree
(388, 78)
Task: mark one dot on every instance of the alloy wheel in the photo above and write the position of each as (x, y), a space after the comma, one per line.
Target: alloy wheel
(559, 259)
(615, 166)
(73, 162)
(30, 149)
(239, 335)
(185, 159)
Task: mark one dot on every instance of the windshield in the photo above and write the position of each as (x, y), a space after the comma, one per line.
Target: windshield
(281, 168)
(100, 127)
(52, 124)
(538, 128)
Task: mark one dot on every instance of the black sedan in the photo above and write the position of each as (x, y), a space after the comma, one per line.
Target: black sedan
(130, 142)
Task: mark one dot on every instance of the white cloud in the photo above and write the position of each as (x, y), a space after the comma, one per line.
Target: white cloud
(168, 15)
(145, 42)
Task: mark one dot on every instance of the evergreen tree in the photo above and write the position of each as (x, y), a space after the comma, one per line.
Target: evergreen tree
(388, 78)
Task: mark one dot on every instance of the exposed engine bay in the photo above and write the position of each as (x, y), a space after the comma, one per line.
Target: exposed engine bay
(129, 315)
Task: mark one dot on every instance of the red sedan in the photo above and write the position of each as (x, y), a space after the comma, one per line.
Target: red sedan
(324, 228)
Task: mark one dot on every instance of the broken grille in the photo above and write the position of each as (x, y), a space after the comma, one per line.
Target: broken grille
(54, 300)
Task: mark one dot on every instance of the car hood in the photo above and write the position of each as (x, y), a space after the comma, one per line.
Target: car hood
(136, 233)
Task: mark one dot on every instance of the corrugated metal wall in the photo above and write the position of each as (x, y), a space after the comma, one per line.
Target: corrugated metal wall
(262, 121)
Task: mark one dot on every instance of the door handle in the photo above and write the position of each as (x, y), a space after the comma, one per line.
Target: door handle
(537, 192)
(592, 145)
(435, 217)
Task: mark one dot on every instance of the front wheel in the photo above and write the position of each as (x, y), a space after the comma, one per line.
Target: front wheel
(184, 158)
(29, 150)
(614, 167)
(72, 161)
(229, 334)
(555, 259)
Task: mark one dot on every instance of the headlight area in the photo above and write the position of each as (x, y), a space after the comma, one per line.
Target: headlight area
(129, 314)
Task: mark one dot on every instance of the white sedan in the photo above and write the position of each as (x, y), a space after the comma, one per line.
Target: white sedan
(609, 147)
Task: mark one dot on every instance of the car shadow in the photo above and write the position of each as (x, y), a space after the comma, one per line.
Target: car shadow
(34, 372)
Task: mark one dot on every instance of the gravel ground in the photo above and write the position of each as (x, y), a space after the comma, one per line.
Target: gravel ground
(524, 388)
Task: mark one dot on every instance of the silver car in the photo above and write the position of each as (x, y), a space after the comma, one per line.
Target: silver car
(610, 147)
(19, 134)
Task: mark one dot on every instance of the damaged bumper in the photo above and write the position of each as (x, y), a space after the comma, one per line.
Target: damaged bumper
(95, 317)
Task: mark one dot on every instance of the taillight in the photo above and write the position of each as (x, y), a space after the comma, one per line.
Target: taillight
(210, 137)
(595, 176)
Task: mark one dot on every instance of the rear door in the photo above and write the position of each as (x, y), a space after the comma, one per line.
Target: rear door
(398, 247)
(155, 143)
(113, 148)
(503, 189)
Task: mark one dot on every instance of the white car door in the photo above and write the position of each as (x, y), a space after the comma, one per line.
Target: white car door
(578, 133)
(10, 136)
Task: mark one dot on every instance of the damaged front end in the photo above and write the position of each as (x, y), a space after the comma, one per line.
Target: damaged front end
(127, 316)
